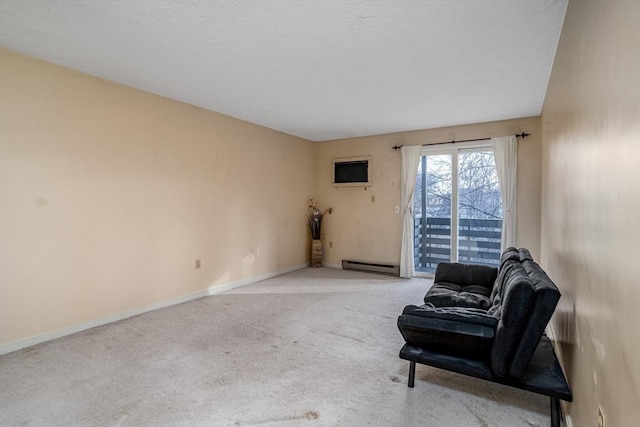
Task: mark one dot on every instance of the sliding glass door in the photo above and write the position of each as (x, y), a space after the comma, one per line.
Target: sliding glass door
(457, 208)
(432, 211)
(479, 208)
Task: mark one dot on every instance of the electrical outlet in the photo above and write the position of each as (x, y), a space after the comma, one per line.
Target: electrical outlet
(601, 419)
(198, 264)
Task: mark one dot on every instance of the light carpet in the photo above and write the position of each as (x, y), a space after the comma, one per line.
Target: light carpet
(316, 347)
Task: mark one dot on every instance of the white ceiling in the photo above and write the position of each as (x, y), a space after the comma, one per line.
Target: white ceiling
(320, 70)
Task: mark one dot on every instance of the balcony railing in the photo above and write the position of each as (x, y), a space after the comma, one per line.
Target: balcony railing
(478, 242)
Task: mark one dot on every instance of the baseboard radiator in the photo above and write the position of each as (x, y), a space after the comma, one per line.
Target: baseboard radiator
(371, 267)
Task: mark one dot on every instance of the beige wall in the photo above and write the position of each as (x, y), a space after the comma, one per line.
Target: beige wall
(108, 195)
(591, 207)
(364, 225)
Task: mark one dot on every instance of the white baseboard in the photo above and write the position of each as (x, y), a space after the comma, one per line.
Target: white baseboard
(212, 290)
(567, 421)
(330, 265)
(550, 333)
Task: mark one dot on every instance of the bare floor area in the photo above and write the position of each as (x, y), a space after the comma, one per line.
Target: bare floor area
(316, 347)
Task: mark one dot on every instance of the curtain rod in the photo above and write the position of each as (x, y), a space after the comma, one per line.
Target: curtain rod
(522, 135)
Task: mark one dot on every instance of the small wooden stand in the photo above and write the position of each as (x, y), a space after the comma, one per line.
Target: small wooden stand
(316, 253)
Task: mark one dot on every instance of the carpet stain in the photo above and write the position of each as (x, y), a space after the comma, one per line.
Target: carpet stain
(367, 312)
(445, 396)
(395, 379)
(311, 415)
(346, 336)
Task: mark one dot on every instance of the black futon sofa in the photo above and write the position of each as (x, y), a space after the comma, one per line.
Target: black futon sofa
(489, 323)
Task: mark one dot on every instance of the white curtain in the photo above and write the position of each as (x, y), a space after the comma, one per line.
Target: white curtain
(410, 163)
(505, 149)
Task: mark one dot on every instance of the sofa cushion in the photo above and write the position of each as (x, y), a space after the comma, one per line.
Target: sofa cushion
(462, 285)
(516, 302)
(509, 255)
(546, 299)
(450, 295)
(454, 331)
(525, 255)
(497, 292)
(466, 274)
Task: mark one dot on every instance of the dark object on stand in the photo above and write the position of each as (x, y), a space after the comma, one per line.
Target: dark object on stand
(489, 323)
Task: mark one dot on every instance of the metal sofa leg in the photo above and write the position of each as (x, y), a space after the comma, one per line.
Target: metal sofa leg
(412, 373)
(555, 412)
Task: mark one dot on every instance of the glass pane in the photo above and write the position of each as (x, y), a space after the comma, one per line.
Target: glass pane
(432, 212)
(479, 209)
